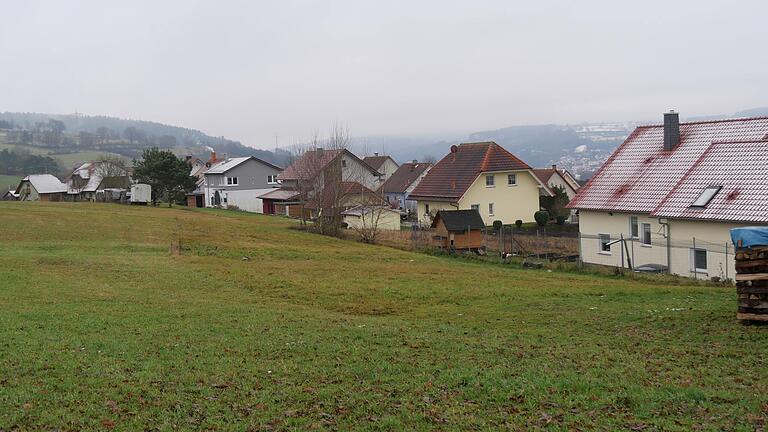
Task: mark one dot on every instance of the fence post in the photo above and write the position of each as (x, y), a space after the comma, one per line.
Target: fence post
(695, 276)
(581, 261)
(726, 260)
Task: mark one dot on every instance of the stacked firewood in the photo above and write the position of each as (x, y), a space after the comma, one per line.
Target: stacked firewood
(752, 283)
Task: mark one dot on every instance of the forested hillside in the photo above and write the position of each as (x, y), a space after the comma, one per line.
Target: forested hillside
(70, 139)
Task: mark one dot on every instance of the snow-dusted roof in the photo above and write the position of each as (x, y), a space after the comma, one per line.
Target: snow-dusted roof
(44, 183)
(226, 165)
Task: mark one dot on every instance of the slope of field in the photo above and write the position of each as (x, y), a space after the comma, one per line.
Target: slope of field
(256, 326)
(8, 181)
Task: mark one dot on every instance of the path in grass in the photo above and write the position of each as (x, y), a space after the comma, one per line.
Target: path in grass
(258, 326)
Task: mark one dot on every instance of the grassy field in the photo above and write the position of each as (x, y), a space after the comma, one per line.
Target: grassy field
(256, 326)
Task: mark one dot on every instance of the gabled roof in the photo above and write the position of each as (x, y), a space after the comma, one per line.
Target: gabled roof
(281, 194)
(377, 161)
(453, 175)
(459, 220)
(43, 183)
(347, 191)
(92, 171)
(403, 178)
(545, 174)
(226, 165)
(738, 169)
(640, 174)
(312, 162)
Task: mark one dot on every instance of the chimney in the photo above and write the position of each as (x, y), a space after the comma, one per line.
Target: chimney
(554, 167)
(226, 157)
(213, 156)
(671, 130)
(415, 162)
(376, 153)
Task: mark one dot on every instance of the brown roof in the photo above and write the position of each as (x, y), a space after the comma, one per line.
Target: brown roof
(453, 175)
(544, 174)
(309, 164)
(377, 161)
(347, 189)
(402, 179)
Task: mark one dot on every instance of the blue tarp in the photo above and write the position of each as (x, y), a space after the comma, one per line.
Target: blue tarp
(748, 237)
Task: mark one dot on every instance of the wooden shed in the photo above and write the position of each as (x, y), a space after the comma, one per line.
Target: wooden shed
(458, 229)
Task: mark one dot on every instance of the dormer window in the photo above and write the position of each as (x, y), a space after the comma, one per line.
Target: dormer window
(706, 196)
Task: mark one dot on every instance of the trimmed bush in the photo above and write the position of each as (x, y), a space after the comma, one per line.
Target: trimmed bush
(541, 217)
(519, 223)
(497, 224)
(560, 220)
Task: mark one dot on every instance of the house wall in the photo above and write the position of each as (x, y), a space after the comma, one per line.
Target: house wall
(557, 180)
(466, 240)
(388, 220)
(32, 195)
(712, 236)
(252, 181)
(387, 169)
(510, 202)
(356, 171)
(434, 207)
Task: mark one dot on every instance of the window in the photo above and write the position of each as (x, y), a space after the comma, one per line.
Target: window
(646, 240)
(633, 227)
(706, 196)
(229, 180)
(475, 207)
(511, 179)
(489, 181)
(490, 209)
(604, 240)
(344, 163)
(234, 180)
(699, 260)
(426, 208)
(271, 179)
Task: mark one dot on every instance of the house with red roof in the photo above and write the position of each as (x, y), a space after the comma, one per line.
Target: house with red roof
(482, 176)
(384, 164)
(668, 196)
(558, 177)
(398, 187)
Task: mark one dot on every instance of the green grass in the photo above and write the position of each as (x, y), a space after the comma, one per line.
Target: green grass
(102, 327)
(8, 180)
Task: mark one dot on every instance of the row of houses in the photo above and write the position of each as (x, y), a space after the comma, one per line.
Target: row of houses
(89, 181)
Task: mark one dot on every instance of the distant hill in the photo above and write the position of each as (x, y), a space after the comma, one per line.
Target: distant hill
(753, 112)
(67, 134)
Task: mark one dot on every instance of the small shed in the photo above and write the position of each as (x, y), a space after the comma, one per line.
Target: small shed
(141, 194)
(458, 229)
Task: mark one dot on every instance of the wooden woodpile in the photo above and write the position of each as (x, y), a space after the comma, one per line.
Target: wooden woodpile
(752, 283)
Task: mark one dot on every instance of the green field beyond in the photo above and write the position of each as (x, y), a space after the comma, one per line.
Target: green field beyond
(256, 326)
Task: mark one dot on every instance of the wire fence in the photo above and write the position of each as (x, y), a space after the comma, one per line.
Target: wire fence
(693, 257)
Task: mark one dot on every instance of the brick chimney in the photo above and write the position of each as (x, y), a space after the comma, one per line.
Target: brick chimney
(554, 167)
(671, 130)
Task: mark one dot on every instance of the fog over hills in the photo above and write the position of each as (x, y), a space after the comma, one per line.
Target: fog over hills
(580, 148)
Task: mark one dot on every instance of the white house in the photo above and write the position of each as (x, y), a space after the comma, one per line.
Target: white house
(668, 196)
(239, 182)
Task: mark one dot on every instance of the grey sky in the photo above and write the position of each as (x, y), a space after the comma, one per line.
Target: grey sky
(250, 70)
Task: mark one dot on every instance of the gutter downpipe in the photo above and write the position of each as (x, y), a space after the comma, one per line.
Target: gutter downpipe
(665, 222)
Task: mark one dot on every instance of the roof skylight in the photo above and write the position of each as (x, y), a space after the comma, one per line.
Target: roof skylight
(706, 196)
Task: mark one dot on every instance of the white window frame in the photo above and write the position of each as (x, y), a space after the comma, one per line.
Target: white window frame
(272, 179)
(634, 227)
(490, 209)
(475, 207)
(234, 181)
(492, 178)
(693, 260)
(600, 244)
(642, 235)
(512, 177)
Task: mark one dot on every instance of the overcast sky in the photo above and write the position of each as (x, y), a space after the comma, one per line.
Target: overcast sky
(250, 70)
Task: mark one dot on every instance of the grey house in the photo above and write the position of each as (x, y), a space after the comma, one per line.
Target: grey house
(238, 182)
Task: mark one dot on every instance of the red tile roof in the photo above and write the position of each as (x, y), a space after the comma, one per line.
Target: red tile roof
(309, 164)
(740, 169)
(402, 179)
(376, 161)
(640, 173)
(453, 174)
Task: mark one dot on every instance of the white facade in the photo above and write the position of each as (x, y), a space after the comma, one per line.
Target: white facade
(245, 199)
(689, 242)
